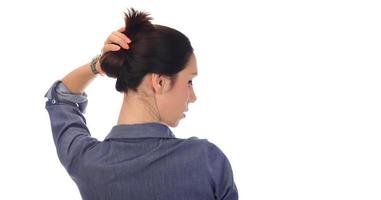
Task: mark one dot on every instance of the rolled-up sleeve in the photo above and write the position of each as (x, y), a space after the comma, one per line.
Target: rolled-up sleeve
(221, 173)
(70, 133)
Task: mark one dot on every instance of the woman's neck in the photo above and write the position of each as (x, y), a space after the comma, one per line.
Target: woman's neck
(137, 110)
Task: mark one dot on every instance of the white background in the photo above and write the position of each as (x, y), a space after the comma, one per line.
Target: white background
(289, 90)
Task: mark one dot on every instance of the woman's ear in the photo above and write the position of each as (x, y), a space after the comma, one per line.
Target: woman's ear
(160, 83)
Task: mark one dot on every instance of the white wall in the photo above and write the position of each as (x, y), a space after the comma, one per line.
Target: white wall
(289, 90)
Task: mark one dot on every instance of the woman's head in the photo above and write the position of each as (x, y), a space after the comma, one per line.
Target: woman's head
(154, 49)
(162, 53)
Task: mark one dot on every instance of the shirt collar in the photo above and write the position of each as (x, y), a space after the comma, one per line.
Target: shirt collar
(146, 130)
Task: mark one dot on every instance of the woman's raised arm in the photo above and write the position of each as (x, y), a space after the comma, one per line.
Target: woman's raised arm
(66, 105)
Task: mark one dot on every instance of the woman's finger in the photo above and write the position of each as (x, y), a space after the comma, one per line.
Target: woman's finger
(123, 36)
(110, 47)
(122, 29)
(114, 38)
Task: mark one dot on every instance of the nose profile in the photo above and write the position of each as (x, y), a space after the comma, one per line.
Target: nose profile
(193, 97)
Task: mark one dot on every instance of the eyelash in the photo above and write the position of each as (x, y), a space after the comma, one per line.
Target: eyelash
(190, 82)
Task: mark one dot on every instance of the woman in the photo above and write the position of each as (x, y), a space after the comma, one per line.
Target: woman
(140, 158)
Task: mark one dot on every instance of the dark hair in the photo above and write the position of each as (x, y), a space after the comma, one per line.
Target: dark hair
(153, 49)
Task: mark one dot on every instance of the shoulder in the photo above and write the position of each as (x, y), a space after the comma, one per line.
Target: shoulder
(214, 159)
(210, 150)
(195, 141)
(213, 156)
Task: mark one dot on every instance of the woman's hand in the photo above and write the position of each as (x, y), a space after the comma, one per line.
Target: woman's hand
(114, 42)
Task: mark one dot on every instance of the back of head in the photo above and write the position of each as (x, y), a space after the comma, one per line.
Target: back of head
(153, 49)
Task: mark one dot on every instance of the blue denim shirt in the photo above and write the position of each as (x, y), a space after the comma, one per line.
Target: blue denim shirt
(139, 161)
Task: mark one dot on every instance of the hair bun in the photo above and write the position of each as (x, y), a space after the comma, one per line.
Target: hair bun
(113, 62)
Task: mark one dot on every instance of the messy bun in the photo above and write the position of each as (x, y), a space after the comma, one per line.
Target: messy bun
(153, 49)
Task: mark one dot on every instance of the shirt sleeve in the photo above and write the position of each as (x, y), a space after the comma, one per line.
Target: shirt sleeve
(70, 133)
(221, 173)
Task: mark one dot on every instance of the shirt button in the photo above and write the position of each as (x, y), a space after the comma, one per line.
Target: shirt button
(53, 101)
